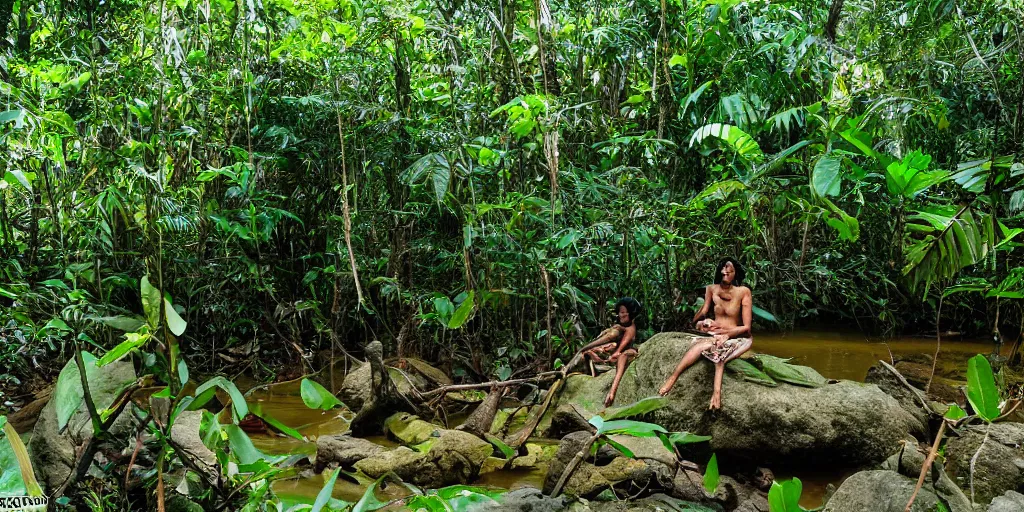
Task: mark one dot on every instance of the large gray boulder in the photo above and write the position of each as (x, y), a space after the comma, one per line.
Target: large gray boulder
(998, 468)
(1012, 501)
(53, 452)
(846, 423)
(886, 491)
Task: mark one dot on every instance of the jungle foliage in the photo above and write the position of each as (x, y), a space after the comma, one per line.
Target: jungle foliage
(473, 182)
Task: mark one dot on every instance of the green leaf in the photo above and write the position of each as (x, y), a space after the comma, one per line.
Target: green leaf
(207, 390)
(952, 238)
(644, 406)
(778, 369)
(622, 449)
(506, 450)
(462, 313)
(954, 413)
(75, 84)
(369, 502)
(741, 142)
(182, 372)
(785, 496)
(150, 302)
(677, 60)
(826, 179)
(133, 340)
(316, 396)
(631, 428)
(16, 116)
(682, 438)
(68, 394)
(981, 388)
(764, 315)
(711, 475)
(14, 454)
(122, 323)
(174, 322)
(16, 176)
(750, 372)
(325, 494)
(257, 410)
(249, 458)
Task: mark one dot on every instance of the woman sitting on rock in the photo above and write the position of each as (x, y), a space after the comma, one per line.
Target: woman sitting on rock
(730, 329)
(613, 344)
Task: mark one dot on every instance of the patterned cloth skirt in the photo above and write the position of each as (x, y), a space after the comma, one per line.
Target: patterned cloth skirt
(722, 347)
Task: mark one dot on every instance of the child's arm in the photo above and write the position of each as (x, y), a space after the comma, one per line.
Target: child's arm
(627, 338)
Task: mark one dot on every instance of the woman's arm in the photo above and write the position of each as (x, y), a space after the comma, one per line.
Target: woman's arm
(627, 338)
(707, 304)
(747, 306)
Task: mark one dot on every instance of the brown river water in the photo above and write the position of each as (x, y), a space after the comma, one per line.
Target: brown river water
(836, 355)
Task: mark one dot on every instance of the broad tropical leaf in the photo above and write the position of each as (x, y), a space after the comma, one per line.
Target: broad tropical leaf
(981, 388)
(316, 396)
(784, 496)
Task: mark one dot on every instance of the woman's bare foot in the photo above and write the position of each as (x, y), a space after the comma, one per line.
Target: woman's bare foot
(609, 399)
(666, 388)
(716, 401)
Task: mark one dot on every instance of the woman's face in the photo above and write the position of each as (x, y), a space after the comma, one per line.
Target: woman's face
(623, 315)
(728, 273)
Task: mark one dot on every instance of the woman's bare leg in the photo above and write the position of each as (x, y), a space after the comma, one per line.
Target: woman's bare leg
(620, 368)
(716, 394)
(689, 358)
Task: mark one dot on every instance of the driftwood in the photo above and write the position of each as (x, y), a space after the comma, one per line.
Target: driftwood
(480, 421)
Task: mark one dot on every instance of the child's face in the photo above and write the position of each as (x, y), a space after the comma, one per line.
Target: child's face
(623, 315)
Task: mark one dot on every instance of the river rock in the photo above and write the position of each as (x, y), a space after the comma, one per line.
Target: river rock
(185, 433)
(343, 450)
(886, 491)
(532, 500)
(909, 397)
(53, 452)
(845, 423)
(599, 472)
(356, 388)
(1012, 501)
(452, 457)
(999, 467)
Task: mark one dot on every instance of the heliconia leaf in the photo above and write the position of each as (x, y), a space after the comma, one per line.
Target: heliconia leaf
(316, 396)
(463, 312)
(174, 322)
(981, 388)
(644, 406)
(785, 496)
(711, 475)
(325, 494)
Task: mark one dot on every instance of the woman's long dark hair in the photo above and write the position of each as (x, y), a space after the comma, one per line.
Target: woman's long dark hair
(633, 307)
(740, 273)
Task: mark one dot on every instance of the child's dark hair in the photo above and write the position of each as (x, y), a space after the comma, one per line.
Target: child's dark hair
(737, 280)
(633, 307)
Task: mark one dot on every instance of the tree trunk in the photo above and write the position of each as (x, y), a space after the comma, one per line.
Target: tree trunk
(834, 12)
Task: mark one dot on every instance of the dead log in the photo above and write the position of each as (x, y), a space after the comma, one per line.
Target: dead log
(479, 422)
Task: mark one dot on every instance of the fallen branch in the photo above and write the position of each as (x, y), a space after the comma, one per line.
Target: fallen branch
(927, 464)
(570, 468)
(917, 393)
(491, 384)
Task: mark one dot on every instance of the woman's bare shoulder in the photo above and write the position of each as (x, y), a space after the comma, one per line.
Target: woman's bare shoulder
(744, 290)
